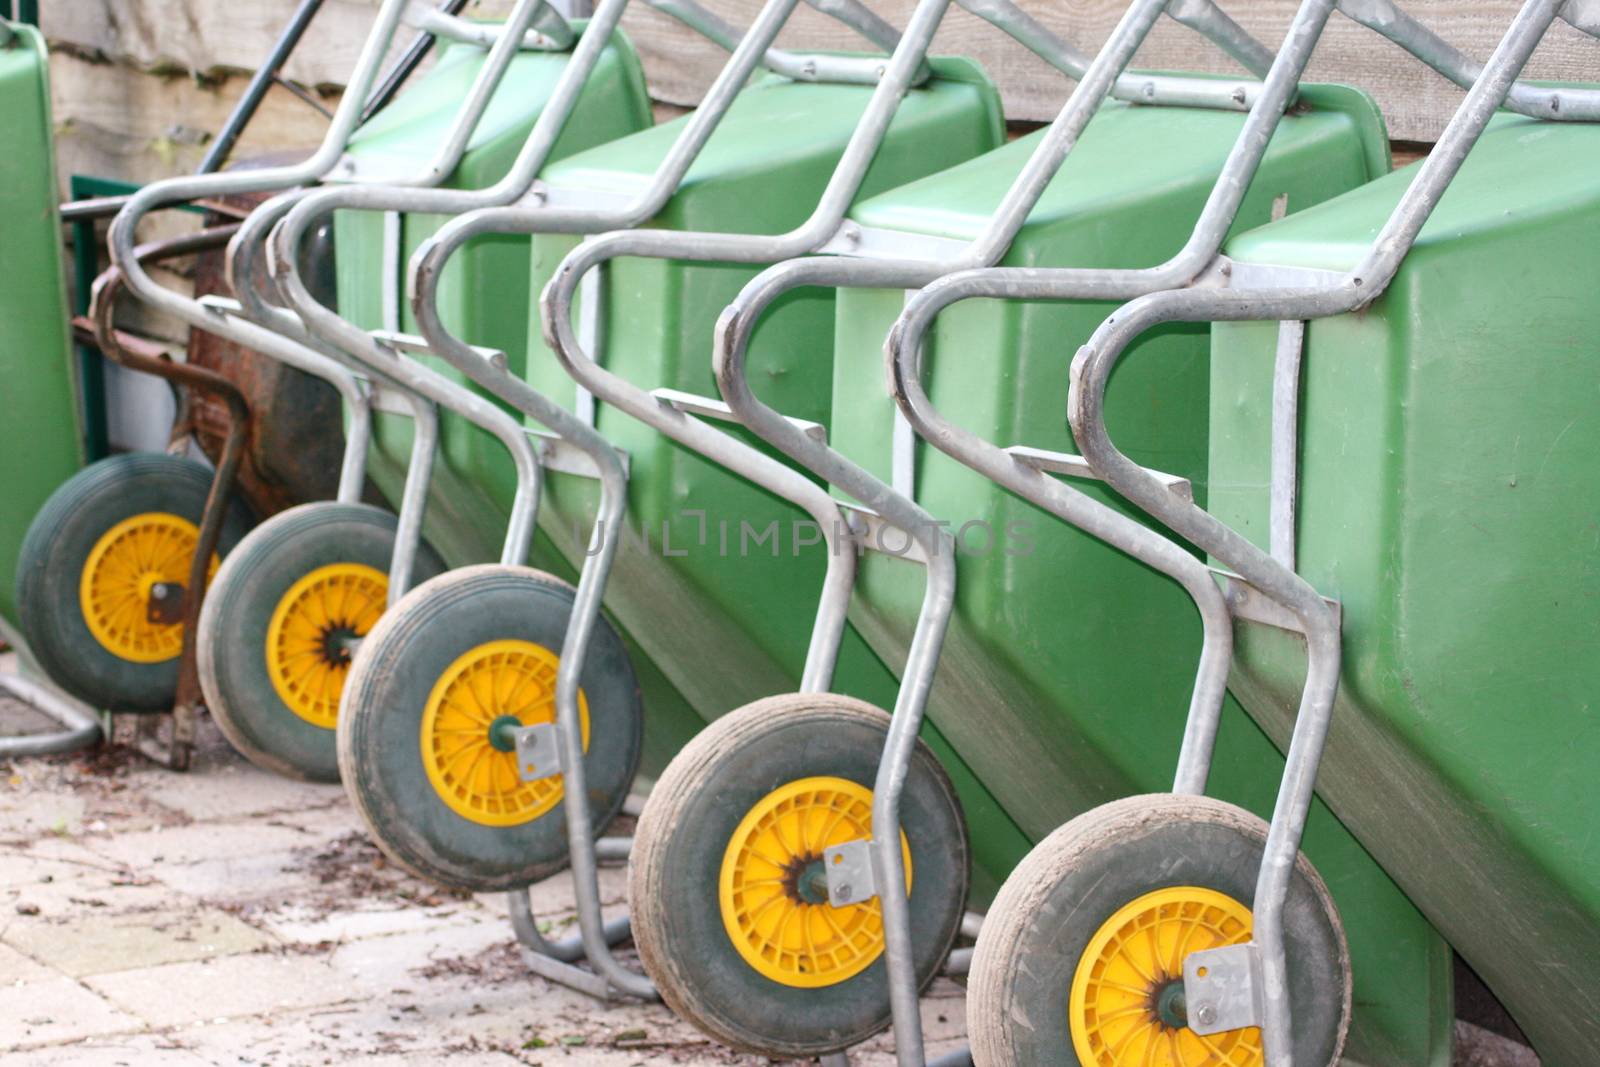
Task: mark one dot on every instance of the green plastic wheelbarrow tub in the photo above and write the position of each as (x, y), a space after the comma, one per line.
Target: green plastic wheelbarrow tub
(484, 291)
(1068, 668)
(1448, 500)
(41, 435)
(725, 620)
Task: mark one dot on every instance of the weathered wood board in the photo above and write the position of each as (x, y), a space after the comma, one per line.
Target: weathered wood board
(209, 39)
(1416, 101)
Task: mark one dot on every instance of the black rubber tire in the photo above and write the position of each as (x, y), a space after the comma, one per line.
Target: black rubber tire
(684, 830)
(1078, 877)
(239, 608)
(386, 694)
(56, 548)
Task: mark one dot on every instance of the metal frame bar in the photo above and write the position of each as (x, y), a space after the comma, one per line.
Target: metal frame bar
(175, 753)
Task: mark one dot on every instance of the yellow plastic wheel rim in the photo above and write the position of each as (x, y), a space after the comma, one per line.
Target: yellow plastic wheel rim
(782, 933)
(1131, 959)
(123, 566)
(475, 779)
(306, 658)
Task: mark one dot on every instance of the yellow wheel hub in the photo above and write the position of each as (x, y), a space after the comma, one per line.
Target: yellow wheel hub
(773, 889)
(1122, 1012)
(125, 564)
(309, 638)
(470, 768)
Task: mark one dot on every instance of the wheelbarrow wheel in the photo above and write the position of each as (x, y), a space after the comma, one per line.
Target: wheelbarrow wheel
(94, 566)
(727, 890)
(424, 739)
(1080, 960)
(280, 625)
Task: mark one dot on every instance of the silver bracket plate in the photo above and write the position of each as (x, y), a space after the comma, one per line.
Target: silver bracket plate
(389, 400)
(1048, 462)
(559, 454)
(1247, 602)
(872, 531)
(1242, 275)
(218, 304)
(870, 242)
(849, 869)
(706, 407)
(415, 345)
(541, 195)
(538, 752)
(1222, 988)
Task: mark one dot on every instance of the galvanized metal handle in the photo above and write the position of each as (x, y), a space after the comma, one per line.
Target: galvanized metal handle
(556, 313)
(1385, 17)
(1203, 16)
(903, 352)
(811, 67)
(550, 32)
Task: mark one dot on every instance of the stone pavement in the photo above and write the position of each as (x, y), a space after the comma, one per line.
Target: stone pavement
(226, 916)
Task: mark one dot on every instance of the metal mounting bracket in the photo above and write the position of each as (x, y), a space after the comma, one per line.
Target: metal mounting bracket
(538, 752)
(872, 531)
(1247, 602)
(558, 454)
(1222, 988)
(850, 875)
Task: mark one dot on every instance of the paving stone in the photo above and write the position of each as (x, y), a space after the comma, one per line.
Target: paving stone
(357, 962)
(27, 812)
(56, 1010)
(378, 966)
(236, 790)
(226, 986)
(326, 1036)
(17, 968)
(139, 1050)
(306, 925)
(28, 866)
(200, 842)
(253, 876)
(100, 941)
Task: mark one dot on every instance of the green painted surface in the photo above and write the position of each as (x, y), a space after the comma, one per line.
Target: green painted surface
(726, 620)
(1448, 500)
(41, 442)
(1069, 666)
